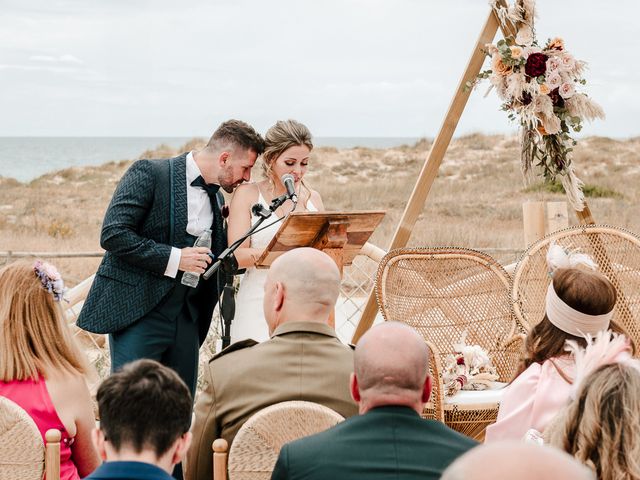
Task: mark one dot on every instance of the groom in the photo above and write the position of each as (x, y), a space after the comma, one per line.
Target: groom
(157, 211)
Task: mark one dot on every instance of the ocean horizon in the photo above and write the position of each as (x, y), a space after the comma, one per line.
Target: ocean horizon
(27, 158)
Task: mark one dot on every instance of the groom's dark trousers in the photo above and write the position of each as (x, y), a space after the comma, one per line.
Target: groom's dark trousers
(146, 313)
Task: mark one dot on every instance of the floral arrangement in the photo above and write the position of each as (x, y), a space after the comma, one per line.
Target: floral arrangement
(539, 85)
(469, 368)
(50, 279)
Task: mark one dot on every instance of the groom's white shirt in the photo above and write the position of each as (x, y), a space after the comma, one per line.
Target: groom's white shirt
(199, 213)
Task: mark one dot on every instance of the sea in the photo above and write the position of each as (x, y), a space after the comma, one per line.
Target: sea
(27, 158)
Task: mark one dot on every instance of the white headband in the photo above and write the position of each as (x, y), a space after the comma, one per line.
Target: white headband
(572, 321)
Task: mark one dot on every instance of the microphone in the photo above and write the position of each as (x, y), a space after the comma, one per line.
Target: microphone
(289, 183)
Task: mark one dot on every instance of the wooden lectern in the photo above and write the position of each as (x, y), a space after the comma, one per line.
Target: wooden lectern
(340, 235)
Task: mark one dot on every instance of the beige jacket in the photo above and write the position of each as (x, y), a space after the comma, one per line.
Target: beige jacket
(301, 361)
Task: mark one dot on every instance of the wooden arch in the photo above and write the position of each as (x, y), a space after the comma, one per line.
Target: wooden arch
(430, 168)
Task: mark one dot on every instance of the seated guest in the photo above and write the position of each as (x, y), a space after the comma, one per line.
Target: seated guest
(388, 439)
(303, 359)
(600, 426)
(145, 411)
(578, 302)
(516, 460)
(41, 367)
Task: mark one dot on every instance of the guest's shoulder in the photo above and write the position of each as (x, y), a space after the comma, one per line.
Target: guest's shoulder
(242, 345)
(449, 436)
(531, 374)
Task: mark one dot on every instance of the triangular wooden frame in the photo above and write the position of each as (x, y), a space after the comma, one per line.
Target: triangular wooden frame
(429, 171)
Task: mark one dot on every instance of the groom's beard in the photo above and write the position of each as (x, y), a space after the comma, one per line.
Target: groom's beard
(225, 180)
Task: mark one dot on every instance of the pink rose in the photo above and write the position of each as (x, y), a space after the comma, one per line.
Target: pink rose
(553, 64)
(566, 90)
(568, 63)
(554, 80)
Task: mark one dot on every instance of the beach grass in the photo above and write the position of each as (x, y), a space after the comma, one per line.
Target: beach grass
(476, 201)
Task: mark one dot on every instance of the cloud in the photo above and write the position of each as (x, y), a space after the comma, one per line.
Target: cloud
(349, 67)
(65, 59)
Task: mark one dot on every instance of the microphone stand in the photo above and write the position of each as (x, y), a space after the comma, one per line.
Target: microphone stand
(227, 262)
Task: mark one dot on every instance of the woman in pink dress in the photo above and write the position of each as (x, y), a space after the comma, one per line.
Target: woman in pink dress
(41, 367)
(579, 302)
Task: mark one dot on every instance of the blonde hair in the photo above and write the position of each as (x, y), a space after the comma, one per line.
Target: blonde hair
(34, 338)
(601, 425)
(280, 137)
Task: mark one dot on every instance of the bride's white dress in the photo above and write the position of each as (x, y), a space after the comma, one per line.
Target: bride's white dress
(249, 321)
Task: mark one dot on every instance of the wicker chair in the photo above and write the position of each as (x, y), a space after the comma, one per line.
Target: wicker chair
(615, 250)
(23, 456)
(257, 444)
(443, 292)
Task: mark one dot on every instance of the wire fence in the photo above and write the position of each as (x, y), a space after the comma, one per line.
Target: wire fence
(357, 283)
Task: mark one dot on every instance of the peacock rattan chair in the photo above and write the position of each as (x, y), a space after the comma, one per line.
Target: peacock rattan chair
(442, 293)
(23, 455)
(615, 250)
(257, 444)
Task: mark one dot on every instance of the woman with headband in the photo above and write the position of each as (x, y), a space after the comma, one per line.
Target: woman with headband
(579, 302)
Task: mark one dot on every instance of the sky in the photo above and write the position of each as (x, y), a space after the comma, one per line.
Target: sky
(349, 68)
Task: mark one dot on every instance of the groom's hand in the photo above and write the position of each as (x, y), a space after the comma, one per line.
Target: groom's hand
(194, 259)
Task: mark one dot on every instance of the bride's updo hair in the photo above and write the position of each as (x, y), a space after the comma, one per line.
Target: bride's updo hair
(283, 135)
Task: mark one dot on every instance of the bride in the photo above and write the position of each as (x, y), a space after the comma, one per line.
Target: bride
(288, 145)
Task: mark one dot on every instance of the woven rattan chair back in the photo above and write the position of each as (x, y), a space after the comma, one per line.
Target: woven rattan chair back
(442, 293)
(21, 445)
(615, 250)
(256, 446)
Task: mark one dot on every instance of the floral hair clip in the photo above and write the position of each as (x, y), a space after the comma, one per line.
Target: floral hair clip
(559, 257)
(50, 279)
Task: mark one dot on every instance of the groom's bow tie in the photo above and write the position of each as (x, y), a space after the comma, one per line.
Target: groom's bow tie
(210, 188)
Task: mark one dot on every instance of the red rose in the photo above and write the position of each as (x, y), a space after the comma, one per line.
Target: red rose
(536, 64)
(460, 361)
(557, 100)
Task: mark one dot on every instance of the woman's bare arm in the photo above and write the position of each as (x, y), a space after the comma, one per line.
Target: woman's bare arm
(239, 222)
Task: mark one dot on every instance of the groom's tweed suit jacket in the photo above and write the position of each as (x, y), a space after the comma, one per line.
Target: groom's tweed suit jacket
(146, 217)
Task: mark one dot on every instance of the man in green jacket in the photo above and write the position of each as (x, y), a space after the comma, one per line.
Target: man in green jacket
(388, 439)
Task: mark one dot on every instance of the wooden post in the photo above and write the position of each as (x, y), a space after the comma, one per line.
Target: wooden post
(533, 220)
(52, 454)
(557, 216)
(220, 448)
(584, 216)
(436, 154)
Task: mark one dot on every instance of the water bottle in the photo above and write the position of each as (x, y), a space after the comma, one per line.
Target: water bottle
(191, 279)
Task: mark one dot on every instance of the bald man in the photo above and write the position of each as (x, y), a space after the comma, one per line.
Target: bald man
(388, 439)
(303, 359)
(508, 460)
